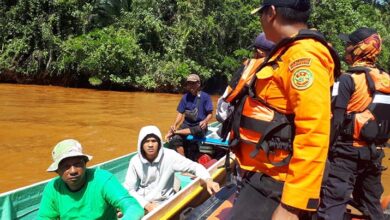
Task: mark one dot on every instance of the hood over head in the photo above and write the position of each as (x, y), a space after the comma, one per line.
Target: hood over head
(146, 131)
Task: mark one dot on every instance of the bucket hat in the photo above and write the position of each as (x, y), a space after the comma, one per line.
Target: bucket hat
(65, 149)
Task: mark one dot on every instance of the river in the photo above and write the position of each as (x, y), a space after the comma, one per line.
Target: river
(34, 118)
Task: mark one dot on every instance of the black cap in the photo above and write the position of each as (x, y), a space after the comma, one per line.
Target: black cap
(358, 35)
(260, 42)
(300, 5)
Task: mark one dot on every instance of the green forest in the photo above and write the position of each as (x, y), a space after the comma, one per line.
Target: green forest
(151, 45)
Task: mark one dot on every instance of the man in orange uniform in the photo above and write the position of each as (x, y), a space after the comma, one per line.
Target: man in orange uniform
(261, 47)
(355, 162)
(295, 81)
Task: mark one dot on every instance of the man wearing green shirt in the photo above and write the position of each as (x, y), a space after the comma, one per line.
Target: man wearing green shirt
(82, 193)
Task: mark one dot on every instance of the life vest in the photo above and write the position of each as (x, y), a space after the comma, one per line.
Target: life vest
(236, 89)
(239, 85)
(369, 123)
(257, 123)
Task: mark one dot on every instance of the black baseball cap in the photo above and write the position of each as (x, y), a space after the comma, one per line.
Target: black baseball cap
(260, 42)
(358, 35)
(300, 5)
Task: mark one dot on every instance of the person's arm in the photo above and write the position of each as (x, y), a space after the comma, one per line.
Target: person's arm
(117, 196)
(181, 107)
(173, 129)
(286, 213)
(150, 206)
(184, 131)
(203, 124)
(345, 90)
(47, 208)
(208, 107)
(131, 183)
(179, 119)
(183, 164)
(212, 187)
(308, 91)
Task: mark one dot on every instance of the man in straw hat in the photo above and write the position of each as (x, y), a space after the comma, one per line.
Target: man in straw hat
(282, 140)
(82, 193)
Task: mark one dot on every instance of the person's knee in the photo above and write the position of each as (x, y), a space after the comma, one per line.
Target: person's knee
(198, 131)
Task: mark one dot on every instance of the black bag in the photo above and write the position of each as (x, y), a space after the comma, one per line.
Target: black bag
(192, 115)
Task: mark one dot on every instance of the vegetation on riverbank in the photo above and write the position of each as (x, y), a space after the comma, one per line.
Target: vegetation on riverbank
(150, 45)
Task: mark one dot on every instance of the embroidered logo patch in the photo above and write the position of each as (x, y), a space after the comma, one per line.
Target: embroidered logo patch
(385, 81)
(299, 63)
(302, 79)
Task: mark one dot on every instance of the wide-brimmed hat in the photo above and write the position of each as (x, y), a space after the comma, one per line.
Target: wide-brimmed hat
(65, 149)
(193, 78)
(358, 35)
(300, 5)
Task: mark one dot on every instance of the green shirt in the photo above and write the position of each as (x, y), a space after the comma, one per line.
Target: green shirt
(98, 199)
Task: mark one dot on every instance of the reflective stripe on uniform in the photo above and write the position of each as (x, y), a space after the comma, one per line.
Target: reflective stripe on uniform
(335, 90)
(384, 99)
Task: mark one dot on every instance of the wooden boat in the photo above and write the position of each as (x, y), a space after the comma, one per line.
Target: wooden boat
(23, 203)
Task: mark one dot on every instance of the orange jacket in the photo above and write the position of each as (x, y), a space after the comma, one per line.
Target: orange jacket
(299, 84)
(361, 99)
(247, 74)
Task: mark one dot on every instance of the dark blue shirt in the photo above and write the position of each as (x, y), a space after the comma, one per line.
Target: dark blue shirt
(188, 102)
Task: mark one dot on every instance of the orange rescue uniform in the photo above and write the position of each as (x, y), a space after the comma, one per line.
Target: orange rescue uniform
(299, 84)
(361, 99)
(249, 70)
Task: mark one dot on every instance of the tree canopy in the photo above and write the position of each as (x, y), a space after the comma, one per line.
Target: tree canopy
(151, 45)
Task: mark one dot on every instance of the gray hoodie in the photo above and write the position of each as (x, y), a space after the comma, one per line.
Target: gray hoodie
(153, 181)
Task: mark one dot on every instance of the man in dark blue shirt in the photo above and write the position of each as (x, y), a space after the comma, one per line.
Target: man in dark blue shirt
(194, 110)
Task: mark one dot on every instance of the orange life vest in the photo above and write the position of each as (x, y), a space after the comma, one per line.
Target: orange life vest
(255, 122)
(368, 118)
(238, 88)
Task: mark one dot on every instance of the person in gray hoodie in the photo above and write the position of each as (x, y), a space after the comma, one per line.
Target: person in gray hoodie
(150, 176)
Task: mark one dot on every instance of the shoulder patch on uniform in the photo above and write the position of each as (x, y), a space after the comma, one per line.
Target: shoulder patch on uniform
(302, 79)
(299, 63)
(385, 81)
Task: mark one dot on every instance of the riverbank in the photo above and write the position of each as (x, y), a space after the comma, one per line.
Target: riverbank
(215, 85)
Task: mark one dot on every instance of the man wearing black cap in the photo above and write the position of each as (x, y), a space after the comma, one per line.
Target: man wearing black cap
(241, 78)
(355, 161)
(284, 165)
